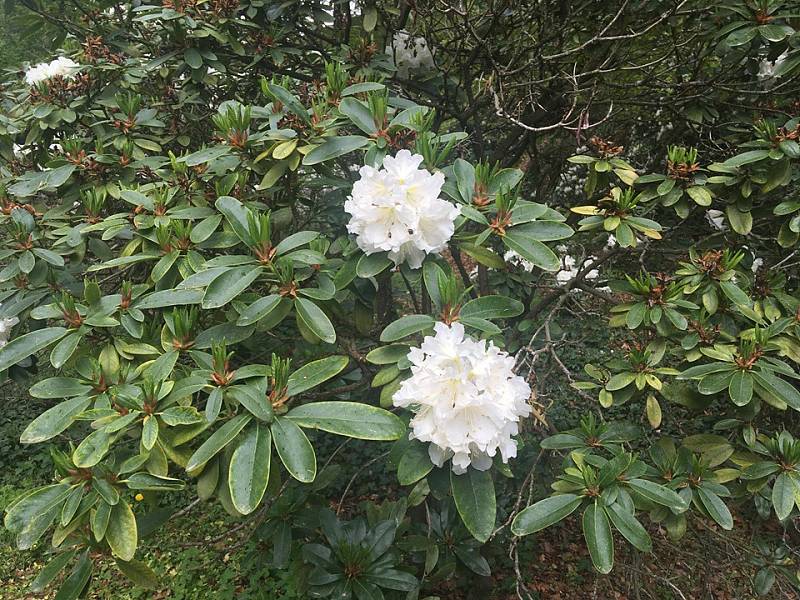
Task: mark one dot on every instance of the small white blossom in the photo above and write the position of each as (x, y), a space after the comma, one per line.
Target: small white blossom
(5, 329)
(65, 67)
(409, 53)
(515, 259)
(467, 400)
(757, 264)
(766, 70)
(612, 241)
(569, 271)
(397, 209)
(716, 218)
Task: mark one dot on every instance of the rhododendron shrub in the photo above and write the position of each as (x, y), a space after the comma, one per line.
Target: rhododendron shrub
(241, 245)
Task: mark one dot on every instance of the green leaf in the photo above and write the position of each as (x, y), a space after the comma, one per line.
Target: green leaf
(58, 387)
(92, 449)
(359, 114)
(193, 58)
(741, 222)
(253, 400)
(734, 294)
(492, 307)
(658, 493)
(351, 419)
(333, 148)
(465, 177)
(139, 573)
(217, 441)
(785, 492)
(76, 581)
(778, 388)
(236, 216)
(545, 513)
(289, 100)
(206, 155)
(405, 326)
(740, 388)
(532, 250)
(149, 432)
(415, 463)
(148, 481)
(170, 298)
(30, 343)
(53, 421)
(314, 373)
(370, 265)
(228, 285)
(700, 195)
(473, 493)
(249, 468)
(296, 452)
(50, 571)
(260, 309)
(162, 367)
(597, 531)
(629, 527)
(315, 319)
(715, 506)
(543, 231)
(121, 533)
(746, 158)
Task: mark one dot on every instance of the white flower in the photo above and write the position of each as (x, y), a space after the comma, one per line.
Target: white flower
(515, 259)
(569, 271)
(757, 264)
(5, 329)
(397, 209)
(409, 53)
(766, 69)
(716, 218)
(62, 66)
(612, 241)
(466, 399)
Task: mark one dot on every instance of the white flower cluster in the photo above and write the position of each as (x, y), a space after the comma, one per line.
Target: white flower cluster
(65, 67)
(409, 53)
(569, 270)
(466, 398)
(397, 209)
(766, 69)
(5, 329)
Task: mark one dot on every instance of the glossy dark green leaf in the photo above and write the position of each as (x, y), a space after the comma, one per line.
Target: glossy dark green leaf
(545, 513)
(473, 493)
(294, 449)
(249, 468)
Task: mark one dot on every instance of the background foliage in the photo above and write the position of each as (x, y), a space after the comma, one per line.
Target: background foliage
(200, 340)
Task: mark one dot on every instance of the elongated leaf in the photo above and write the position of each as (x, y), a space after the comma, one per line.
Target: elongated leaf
(473, 493)
(218, 440)
(121, 532)
(414, 464)
(76, 581)
(30, 343)
(53, 421)
(658, 493)
(405, 326)
(351, 419)
(545, 513)
(597, 531)
(296, 452)
(629, 527)
(716, 507)
(492, 307)
(532, 250)
(314, 373)
(785, 492)
(249, 468)
(139, 573)
(228, 285)
(334, 148)
(315, 319)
